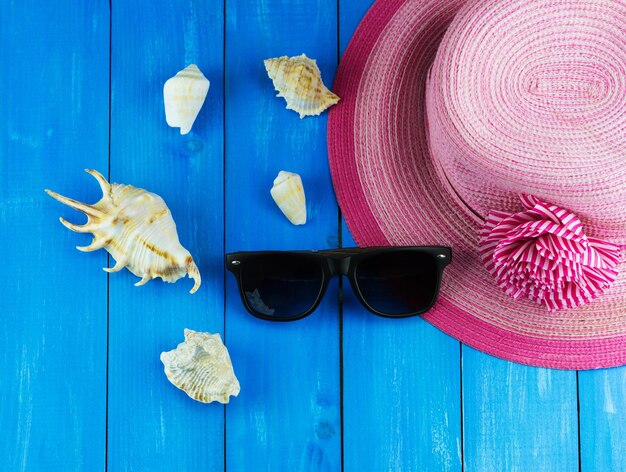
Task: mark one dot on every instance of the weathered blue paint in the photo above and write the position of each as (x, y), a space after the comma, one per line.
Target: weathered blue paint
(54, 107)
(413, 399)
(517, 417)
(153, 425)
(603, 419)
(288, 415)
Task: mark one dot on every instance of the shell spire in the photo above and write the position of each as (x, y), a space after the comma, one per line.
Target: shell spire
(136, 227)
(299, 81)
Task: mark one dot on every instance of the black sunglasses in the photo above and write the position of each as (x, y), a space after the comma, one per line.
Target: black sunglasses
(393, 282)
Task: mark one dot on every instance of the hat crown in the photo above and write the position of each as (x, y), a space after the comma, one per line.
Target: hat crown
(530, 97)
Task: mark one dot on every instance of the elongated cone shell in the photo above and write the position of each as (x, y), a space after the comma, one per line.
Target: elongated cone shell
(137, 229)
(202, 368)
(288, 193)
(299, 81)
(184, 95)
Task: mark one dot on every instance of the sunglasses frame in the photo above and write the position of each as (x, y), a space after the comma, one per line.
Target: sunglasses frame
(340, 262)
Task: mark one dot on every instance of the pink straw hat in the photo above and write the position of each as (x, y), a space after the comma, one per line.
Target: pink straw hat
(497, 127)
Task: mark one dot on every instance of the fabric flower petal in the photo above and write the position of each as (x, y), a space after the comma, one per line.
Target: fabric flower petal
(542, 253)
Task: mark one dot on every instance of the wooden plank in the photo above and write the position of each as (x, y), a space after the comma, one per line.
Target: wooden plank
(152, 424)
(517, 417)
(54, 104)
(603, 419)
(401, 377)
(401, 384)
(287, 417)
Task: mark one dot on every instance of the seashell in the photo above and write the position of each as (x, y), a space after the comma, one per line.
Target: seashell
(184, 96)
(137, 229)
(299, 81)
(201, 367)
(288, 193)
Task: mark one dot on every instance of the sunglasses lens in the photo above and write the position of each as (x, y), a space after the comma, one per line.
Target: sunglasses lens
(398, 283)
(281, 286)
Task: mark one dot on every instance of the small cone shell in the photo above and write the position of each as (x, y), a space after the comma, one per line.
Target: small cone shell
(288, 193)
(298, 80)
(201, 367)
(137, 229)
(184, 95)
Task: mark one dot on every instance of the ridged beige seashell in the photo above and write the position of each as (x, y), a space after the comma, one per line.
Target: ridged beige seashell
(299, 81)
(184, 95)
(137, 229)
(288, 193)
(201, 367)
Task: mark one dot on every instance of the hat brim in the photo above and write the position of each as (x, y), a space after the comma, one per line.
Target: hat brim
(391, 193)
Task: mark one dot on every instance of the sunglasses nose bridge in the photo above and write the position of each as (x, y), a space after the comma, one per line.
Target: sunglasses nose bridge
(340, 264)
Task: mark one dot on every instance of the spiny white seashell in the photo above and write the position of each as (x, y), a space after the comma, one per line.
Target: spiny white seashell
(288, 193)
(184, 95)
(137, 229)
(201, 367)
(299, 81)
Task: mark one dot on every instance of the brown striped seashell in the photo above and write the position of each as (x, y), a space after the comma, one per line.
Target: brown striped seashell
(299, 81)
(137, 229)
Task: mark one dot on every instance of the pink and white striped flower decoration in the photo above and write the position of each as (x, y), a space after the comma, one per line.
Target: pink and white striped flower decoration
(542, 253)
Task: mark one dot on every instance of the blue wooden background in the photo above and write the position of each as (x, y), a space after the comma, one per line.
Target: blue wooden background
(82, 387)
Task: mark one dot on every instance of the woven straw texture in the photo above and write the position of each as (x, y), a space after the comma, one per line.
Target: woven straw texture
(522, 96)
